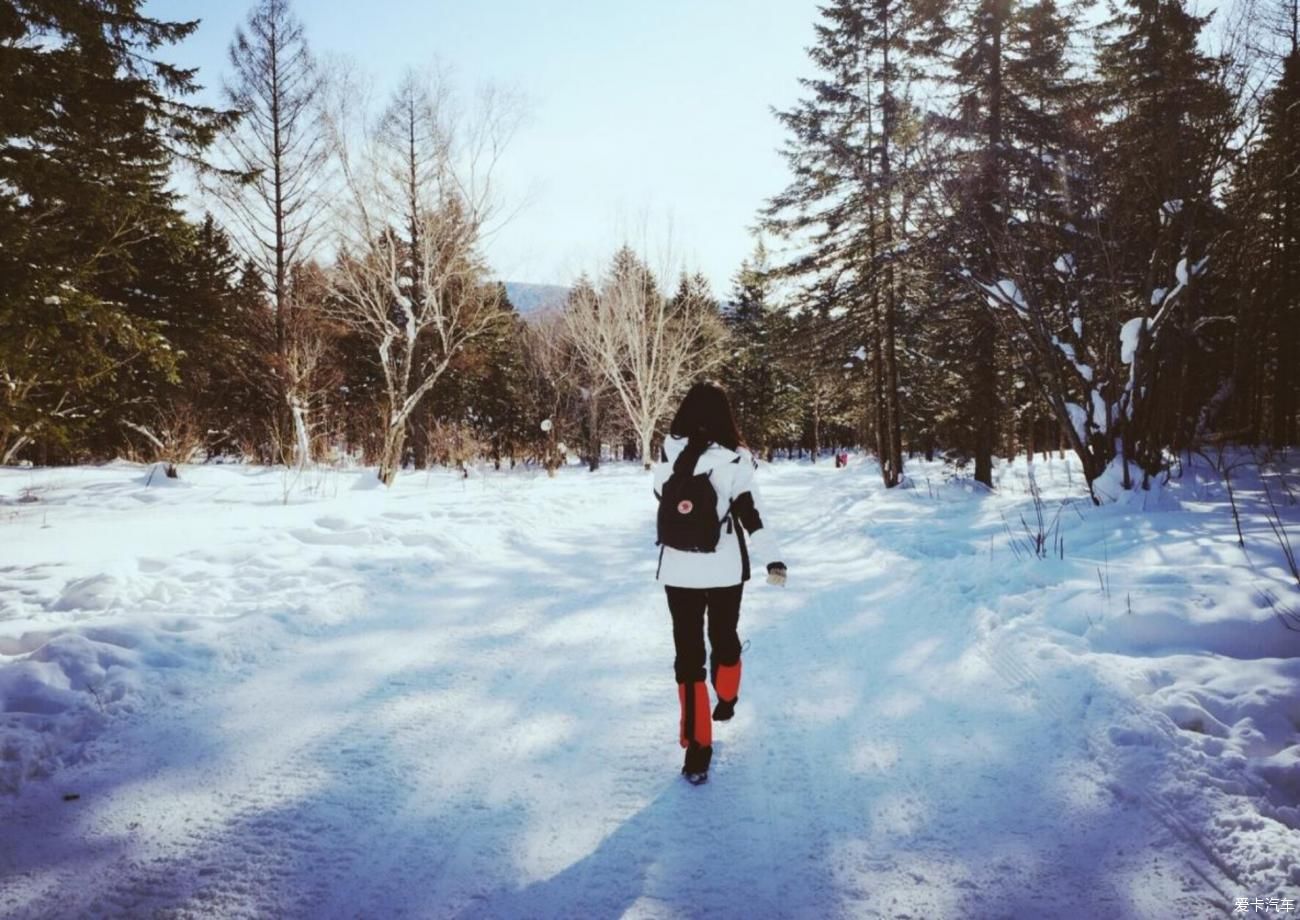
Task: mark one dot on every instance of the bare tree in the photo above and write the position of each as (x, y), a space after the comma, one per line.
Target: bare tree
(277, 155)
(555, 370)
(647, 347)
(574, 394)
(409, 279)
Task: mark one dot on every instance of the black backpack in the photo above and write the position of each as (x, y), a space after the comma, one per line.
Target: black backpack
(688, 507)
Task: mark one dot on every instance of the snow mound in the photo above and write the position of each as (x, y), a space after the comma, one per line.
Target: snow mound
(155, 477)
(1282, 772)
(1157, 496)
(37, 687)
(55, 700)
(95, 592)
(368, 481)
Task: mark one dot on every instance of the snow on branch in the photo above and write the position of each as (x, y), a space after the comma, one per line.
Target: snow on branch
(1006, 293)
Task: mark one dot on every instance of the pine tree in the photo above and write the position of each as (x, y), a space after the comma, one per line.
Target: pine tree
(1052, 355)
(1169, 121)
(1281, 156)
(485, 388)
(1167, 108)
(276, 153)
(213, 315)
(694, 295)
(973, 34)
(847, 196)
(1265, 204)
(91, 122)
(754, 375)
(812, 354)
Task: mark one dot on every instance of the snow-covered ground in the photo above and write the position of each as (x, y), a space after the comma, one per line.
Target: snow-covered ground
(455, 699)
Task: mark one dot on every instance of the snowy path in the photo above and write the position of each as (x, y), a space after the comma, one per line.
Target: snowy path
(492, 735)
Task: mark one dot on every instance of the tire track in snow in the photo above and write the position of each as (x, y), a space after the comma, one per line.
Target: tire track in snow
(1020, 677)
(263, 851)
(263, 839)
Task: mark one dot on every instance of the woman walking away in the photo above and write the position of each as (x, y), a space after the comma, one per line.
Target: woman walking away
(707, 505)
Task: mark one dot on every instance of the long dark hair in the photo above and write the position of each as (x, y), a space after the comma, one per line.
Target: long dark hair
(704, 416)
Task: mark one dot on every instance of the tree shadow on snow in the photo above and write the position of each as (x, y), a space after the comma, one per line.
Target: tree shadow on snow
(690, 852)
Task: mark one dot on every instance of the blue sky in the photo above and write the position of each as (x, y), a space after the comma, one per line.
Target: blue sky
(641, 116)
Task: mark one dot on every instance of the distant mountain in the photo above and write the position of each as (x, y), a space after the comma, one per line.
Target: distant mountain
(534, 298)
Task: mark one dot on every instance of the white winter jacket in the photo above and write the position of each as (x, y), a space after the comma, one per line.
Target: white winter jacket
(744, 536)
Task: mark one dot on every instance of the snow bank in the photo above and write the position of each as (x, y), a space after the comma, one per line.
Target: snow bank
(1158, 602)
(120, 586)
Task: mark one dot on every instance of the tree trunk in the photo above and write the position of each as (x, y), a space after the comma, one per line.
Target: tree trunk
(892, 464)
(593, 432)
(816, 430)
(1285, 319)
(390, 459)
(301, 440)
(894, 409)
(984, 398)
(984, 391)
(878, 390)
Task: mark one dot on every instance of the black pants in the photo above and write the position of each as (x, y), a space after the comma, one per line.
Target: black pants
(689, 607)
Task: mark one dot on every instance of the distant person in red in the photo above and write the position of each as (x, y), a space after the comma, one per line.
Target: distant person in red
(708, 506)
(841, 459)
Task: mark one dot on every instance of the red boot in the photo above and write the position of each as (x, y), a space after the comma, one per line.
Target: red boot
(696, 730)
(726, 681)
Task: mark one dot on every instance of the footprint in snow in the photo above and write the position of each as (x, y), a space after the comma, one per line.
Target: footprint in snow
(335, 524)
(332, 538)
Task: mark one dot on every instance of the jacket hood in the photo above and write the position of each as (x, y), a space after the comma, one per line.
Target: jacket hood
(714, 456)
